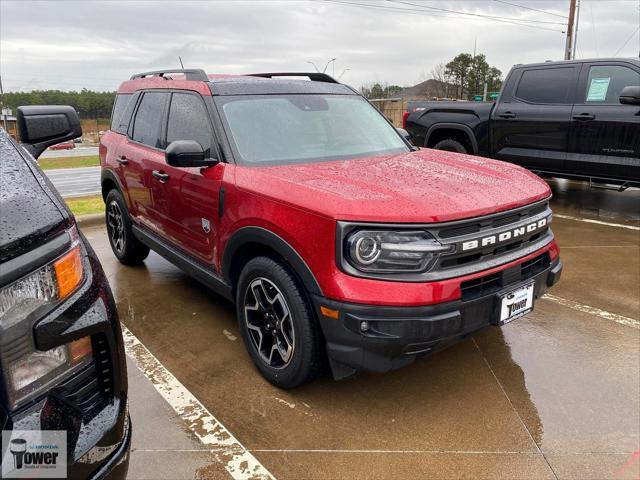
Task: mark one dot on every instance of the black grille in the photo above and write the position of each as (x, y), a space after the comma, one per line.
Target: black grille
(490, 252)
(532, 267)
(477, 225)
(479, 287)
(500, 222)
(459, 231)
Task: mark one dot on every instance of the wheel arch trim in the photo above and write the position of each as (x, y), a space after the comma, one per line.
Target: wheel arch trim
(247, 235)
(108, 175)
(453, 126)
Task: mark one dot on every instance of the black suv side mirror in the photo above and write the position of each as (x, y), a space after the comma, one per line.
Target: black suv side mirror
(187, 153)
(40, 126)
(404, 134)
(630, 95)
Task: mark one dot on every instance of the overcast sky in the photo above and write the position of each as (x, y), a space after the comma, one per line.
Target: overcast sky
(75, 44)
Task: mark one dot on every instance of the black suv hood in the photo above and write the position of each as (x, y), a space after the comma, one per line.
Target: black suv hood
(30, 211)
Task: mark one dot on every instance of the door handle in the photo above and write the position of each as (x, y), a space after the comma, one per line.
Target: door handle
(584, 117)
(507, 115)
(163, 177)
(122, 160)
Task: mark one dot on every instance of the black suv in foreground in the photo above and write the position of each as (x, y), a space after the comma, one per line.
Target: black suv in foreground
(574, 119)
(62, 362)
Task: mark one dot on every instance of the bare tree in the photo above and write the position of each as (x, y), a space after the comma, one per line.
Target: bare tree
(438, 73)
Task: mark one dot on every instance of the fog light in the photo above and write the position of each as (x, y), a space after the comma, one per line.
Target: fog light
(364, 326)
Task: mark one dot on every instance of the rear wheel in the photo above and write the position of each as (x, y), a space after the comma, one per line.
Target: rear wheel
(450, 145)
(126, 247)
(277, 325)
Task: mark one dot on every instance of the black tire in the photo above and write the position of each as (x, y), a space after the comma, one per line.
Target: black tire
(126, 247)
(450, 145)
(300, 331)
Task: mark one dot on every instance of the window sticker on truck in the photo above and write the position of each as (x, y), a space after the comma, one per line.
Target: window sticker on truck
(598, 89)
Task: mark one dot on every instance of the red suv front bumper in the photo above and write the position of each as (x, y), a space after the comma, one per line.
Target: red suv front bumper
(396, 336)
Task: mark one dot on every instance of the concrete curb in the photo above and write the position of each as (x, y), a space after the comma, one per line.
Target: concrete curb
(90, 220)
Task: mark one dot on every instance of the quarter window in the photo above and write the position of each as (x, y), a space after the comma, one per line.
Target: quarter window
(189, 120)
(119, 107)
(605, 83)
(546, 85)
(122, 111)
(146, 126)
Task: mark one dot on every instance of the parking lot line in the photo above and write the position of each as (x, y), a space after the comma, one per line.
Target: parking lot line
(240, 464)
(515, 410)
(597, 222)
(614, 317)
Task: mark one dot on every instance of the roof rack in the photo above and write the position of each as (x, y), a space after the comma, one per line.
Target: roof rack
(196, 74)
(313, 76)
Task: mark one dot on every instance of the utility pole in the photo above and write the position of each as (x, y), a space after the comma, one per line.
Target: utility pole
(575, 33)
(569, 46)
(2, 110)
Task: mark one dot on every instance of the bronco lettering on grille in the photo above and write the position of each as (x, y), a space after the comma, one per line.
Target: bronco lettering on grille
(505, 236)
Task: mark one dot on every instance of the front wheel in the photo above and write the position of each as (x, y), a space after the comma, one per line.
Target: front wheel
(277, 325)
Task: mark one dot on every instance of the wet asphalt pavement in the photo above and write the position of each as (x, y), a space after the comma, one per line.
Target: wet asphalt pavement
(555, 394)
(75, 182)
(80, 151)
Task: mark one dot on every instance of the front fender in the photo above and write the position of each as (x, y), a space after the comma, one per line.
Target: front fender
(246, 235)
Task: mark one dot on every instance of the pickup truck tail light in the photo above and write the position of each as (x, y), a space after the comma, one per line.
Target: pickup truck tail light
(405, 115)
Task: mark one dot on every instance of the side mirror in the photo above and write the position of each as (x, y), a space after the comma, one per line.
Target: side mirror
(404, 134)
(187, 153)
(630, 95)
(40, 126)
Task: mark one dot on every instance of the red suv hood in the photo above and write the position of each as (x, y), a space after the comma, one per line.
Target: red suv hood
(422, 186)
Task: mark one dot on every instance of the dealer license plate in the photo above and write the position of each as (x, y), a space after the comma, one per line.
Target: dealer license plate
(516, 303)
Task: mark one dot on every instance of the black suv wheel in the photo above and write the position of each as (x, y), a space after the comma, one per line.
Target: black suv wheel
(126, 247)
(277, 325)
(450, 145)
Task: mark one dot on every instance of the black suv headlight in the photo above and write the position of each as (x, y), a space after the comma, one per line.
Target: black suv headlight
(27, 370)
(391, 251)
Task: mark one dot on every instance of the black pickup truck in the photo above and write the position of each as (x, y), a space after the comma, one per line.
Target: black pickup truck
(572, 119)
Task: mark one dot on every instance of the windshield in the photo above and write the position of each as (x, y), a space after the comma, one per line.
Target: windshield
(278, 129)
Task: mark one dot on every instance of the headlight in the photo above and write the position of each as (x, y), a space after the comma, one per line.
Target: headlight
(22, 303)
(41, 290)
(389, 251)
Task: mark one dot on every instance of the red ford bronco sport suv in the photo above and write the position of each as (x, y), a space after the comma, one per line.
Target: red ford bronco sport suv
(300, 202)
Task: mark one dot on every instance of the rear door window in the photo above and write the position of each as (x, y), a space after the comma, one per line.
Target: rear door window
(605, 82)
(149, 118)
(189, 120)
(546, 85)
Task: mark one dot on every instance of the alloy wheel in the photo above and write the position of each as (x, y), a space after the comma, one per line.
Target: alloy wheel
(115, 226)
(269, 323)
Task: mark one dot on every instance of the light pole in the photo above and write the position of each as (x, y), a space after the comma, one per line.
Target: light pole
(343, 72)
(314, 66)
(327, 65)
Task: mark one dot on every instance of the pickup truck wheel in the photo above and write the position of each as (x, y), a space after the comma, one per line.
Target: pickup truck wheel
(450, 145)
(277, 325)
(126, 247)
